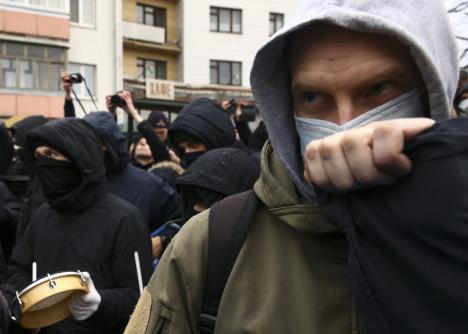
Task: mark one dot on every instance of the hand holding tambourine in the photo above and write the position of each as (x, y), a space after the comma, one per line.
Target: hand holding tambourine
(83, 305)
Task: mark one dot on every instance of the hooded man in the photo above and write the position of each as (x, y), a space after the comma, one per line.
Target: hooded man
(216, 174)
(201, 126)
(332, 86)
(157, 200)
(81, 227)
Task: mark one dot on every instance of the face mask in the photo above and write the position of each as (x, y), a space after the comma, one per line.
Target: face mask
(57, 177)
(404, 106)
(188, 158)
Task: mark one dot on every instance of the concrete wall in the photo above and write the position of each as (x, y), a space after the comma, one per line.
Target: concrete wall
(96, 46)
(31, 24)
(200, 45)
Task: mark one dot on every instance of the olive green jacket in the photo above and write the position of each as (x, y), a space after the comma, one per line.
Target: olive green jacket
(291, 275)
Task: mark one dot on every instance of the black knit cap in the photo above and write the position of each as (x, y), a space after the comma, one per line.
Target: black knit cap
(158, 120)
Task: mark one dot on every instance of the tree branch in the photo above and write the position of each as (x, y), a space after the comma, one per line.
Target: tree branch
(459, 8)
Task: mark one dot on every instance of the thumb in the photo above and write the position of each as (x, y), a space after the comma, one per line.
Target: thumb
(89, 281)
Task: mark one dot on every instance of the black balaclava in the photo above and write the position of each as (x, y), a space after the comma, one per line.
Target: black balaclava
(57, 177)
(186, 159)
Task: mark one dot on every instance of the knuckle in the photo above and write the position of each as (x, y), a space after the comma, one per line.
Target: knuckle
(349, 142)
(327, 148)
(311, 151)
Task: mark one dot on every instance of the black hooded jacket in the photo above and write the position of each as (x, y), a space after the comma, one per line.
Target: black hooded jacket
(206, 121)
(87, 229)
(409, 242)
(157, 201)
(20, 131)
(216, 174)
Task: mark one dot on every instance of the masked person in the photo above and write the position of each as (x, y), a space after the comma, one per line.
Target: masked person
(82, 227)
(156, 200)
(328, 86)
(201, 126)
(216, 174)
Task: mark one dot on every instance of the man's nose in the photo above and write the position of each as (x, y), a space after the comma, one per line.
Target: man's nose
(346, 110)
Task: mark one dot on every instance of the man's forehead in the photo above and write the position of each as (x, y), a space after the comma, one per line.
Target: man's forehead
(325, 42)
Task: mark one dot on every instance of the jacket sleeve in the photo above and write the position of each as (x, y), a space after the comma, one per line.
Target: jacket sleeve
(69, 108)
(158, 149)
(171, 303)
(9, 210)
(168, 206)
(20, 264)
(244, 131)
(117, 303)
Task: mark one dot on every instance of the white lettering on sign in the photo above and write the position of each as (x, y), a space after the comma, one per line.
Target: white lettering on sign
(160, 89)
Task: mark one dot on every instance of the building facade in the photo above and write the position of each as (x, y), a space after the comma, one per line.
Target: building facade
(166, 52)
(178, 50)
(41, 39)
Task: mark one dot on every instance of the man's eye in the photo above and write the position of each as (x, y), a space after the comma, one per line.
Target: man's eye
(311, 98)
(380, 88)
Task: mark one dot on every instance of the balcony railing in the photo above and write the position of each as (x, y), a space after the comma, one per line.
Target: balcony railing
(145, 33)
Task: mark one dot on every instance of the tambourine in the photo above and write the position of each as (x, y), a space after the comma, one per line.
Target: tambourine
(45, 302)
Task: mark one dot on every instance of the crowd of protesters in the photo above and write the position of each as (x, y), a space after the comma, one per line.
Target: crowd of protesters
(75, 195)
(338, 235)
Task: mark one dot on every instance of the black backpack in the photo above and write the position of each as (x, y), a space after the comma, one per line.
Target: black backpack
(229, 223)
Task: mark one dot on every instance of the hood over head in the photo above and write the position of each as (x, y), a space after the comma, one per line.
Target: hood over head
(205, 120)
(217, 174)
(225, 170)
(158, 120)
(78, 141)
(21, 128)
(422, 26)
(104, 124)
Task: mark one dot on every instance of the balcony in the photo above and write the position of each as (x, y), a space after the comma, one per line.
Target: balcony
(150, 38)
(144, 33)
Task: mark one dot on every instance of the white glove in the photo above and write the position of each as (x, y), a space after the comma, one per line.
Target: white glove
(83, 305)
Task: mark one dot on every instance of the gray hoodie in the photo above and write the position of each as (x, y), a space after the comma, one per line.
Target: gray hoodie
(422, 25)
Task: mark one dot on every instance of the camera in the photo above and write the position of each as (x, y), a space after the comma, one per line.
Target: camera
(118, 101)
(76, 78)
(248, 113)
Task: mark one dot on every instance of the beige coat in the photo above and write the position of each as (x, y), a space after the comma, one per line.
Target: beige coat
(291, 275)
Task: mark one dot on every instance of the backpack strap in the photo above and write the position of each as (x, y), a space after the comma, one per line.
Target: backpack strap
(229, 221)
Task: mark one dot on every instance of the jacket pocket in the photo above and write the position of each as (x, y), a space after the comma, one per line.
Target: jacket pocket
(163, 321)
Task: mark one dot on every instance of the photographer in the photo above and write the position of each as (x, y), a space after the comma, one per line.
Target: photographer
(158, 149)
(243, 130)
(67, 84)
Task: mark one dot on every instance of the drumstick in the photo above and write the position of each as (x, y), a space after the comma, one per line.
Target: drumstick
(34, 271)
(138, 270)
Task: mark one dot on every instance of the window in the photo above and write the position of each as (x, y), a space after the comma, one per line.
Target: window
(225, 20)
(225, 73)
(89, 73)
(82, 12)
(152, 16)
(30, 66)
(49, 4)
(151, 69)
(276, 22)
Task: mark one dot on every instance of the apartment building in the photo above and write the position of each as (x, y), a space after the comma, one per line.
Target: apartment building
(178, 50)
(167, 52)
(41, 38)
